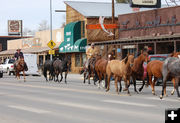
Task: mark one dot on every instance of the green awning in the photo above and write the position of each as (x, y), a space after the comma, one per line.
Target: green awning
(72, 39)
(80, 45)
(72, 32)
(62, 46)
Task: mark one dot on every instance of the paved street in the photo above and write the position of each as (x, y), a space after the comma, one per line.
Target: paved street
(38, 101)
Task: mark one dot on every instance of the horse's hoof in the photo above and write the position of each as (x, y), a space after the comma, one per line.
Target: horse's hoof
(107, 90)
(125, 89)
(140, 89)
(154, 94)
(161, 97)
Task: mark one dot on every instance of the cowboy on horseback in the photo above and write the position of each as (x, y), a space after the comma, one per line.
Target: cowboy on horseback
(19, 55)
(91, 53)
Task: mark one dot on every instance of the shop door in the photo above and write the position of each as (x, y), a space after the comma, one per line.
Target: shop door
(126, 51)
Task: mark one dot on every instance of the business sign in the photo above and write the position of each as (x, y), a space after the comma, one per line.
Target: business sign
(128, 47)
(14, 27)
(145, 3)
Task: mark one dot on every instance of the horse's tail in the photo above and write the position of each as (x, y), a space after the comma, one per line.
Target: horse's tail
(44, 72)
(96, 78)
(147, 76)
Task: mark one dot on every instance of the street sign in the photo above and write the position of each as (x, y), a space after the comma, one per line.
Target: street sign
(52, 52)
(51, 44)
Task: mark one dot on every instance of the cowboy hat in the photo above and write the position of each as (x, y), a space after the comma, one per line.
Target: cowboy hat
(18, 49)
(92, 44)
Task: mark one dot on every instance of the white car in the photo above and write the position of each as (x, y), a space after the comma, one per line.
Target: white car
(8, 66)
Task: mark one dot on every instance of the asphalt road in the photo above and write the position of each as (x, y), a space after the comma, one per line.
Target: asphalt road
(38, 101)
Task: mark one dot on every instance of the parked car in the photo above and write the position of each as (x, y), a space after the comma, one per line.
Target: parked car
(1, 71)
(160, 57)
(8, 66)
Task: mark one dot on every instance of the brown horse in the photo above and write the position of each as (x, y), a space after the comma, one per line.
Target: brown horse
(154, 68)
(138, 69)
(120, 69)
(90, 71)
(20, 67)
(100, 68)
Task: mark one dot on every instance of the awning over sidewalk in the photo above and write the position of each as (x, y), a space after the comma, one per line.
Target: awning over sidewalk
(27, 50)
(79, 46)
(72, 39)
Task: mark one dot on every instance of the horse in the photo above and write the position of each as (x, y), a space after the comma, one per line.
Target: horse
(60, 67)
(90, 70)
(48, 66)
(18, 67)
(100, 68)
(138, 69)
(171, 69)
(154, 68)
(120, 69)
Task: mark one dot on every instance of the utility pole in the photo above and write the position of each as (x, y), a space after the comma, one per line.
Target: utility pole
(51, 24)
(113, 20)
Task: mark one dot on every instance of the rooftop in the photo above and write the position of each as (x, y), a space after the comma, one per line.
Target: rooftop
(96, 9)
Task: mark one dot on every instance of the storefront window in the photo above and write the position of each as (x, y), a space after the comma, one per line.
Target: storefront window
(77, 60)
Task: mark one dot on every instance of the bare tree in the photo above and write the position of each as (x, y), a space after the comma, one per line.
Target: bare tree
(43, 25)
(28, 32)
(63, 25)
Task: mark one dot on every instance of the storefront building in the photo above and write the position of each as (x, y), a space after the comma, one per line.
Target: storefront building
(35, 45)
(81, 15)
(157, 29)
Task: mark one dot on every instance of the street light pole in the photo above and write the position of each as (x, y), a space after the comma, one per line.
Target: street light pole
(51, 24)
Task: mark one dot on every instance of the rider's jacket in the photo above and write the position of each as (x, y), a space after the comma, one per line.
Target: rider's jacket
(18, 55)
(92, 52)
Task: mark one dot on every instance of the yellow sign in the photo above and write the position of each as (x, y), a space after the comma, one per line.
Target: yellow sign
(51, 51)
(51, 44)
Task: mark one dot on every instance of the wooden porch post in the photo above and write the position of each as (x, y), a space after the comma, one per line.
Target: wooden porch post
(44, 58)
(174, 46)
(155, 50)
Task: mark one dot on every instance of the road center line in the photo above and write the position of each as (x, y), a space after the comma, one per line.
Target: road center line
(82, 106)
(30, 109)
(128, 103)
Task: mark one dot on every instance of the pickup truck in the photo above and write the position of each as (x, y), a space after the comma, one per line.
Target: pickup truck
(8, 66)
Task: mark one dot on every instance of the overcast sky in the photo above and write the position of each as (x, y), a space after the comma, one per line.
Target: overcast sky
(33, 12)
